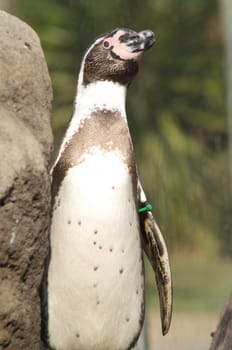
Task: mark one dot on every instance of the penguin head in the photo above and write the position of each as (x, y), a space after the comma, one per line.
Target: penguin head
(114, 56)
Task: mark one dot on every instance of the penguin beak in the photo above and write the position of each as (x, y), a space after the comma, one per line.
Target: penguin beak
(136, 42)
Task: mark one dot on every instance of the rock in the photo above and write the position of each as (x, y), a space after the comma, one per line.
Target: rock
(222, 338)
(25, 146)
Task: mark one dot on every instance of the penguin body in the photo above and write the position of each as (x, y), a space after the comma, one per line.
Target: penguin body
(95, 240)
(95, 274)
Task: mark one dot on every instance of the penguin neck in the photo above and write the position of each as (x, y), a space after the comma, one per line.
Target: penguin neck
(96, 96)
(99, 95)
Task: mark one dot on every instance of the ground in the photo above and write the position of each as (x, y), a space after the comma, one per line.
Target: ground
(202, 286)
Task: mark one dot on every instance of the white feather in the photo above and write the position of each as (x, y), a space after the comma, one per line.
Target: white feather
(95, 281)
(99, 95)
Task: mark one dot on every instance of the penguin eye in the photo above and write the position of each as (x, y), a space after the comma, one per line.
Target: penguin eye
(106, 44)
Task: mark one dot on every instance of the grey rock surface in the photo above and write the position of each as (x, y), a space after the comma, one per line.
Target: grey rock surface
(25, 147)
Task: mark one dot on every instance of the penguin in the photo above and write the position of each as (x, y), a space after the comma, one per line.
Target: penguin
(93, 290)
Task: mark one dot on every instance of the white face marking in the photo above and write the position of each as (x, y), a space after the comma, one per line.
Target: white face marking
(81, 73)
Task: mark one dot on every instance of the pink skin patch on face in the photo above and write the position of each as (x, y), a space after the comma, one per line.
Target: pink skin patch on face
(120, 49)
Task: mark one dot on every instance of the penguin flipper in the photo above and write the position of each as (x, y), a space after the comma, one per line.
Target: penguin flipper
(155, 248)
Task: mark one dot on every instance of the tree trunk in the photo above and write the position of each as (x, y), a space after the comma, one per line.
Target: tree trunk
(222, 338)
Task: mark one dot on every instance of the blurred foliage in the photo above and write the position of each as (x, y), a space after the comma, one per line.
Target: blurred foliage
(176, 106)
(199, 284)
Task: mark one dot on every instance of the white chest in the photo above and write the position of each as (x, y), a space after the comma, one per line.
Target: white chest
(95, 279)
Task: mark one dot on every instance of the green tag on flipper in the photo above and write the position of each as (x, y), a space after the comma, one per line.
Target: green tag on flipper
(147, 208)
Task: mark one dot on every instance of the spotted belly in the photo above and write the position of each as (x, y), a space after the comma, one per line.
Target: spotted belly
(95, 275)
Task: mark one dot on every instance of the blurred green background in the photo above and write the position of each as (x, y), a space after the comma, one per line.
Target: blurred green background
(177, 115)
